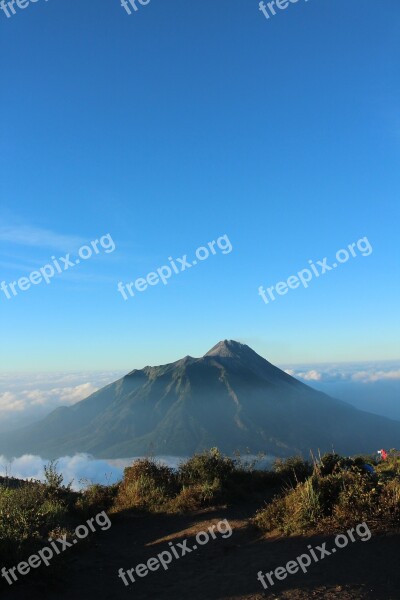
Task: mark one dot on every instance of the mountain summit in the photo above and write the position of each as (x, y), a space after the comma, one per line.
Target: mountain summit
(229, 348)
(231, 398)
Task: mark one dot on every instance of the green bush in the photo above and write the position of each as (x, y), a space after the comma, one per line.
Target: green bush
(206, 467)
(292, 470)
(358, 501)
(53, 479)
(96, 498)
(389, 502)
(147, 485)
(297, 511)
(339, 493)
(196, 497)
(329, 463)
(272, 516)
(330, 487)
(27, 514)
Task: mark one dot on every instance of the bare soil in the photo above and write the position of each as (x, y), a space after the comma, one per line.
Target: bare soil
(223, 569)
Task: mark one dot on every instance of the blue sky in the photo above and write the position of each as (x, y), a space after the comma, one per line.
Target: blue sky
(176, 125)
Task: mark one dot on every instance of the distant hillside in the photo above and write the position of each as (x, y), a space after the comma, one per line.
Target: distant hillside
(231, 398)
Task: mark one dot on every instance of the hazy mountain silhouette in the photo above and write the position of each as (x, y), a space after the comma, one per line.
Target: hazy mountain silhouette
(231, 398)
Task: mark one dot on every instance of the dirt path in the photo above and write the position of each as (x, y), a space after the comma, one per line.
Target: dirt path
(223, 569)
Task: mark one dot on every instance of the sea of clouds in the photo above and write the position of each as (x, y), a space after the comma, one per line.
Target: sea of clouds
(81, 469)
(371, 372)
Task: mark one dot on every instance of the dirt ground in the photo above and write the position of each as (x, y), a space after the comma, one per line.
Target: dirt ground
(223, 569)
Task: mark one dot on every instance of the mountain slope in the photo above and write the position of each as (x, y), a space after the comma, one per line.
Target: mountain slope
(231, 398)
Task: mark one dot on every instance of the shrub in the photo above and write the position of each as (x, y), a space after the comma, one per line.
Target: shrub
(339, 493)
(195, 497)
(26, 516)
(54, 488)
(53, 514)
(330, 488)
(297, 511)
(328, 463)
(389, 502)
(358, 501)
(147, 485)
(390, 467)
(96, 498)
(53, 479)
(206, 468)
(292, 470)
(211, 470)
(162, 475)
(272, 516)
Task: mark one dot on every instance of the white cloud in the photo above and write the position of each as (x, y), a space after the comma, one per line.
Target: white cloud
(9, 402)
(25, 398)
(372, 377)
(312, 375)
(351, 372)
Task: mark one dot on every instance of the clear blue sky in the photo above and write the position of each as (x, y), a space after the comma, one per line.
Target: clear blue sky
(178, 124)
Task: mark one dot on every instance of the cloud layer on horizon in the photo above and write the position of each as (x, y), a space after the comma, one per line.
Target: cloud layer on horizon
(351, 372)
(27, 397)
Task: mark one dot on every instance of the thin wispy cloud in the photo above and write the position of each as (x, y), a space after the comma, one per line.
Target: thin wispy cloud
(15, 266)
(29, 236)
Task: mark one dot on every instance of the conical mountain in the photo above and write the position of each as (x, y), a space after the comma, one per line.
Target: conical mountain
(231, 398)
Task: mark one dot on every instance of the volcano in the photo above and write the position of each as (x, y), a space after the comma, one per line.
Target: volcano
(231, 398)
